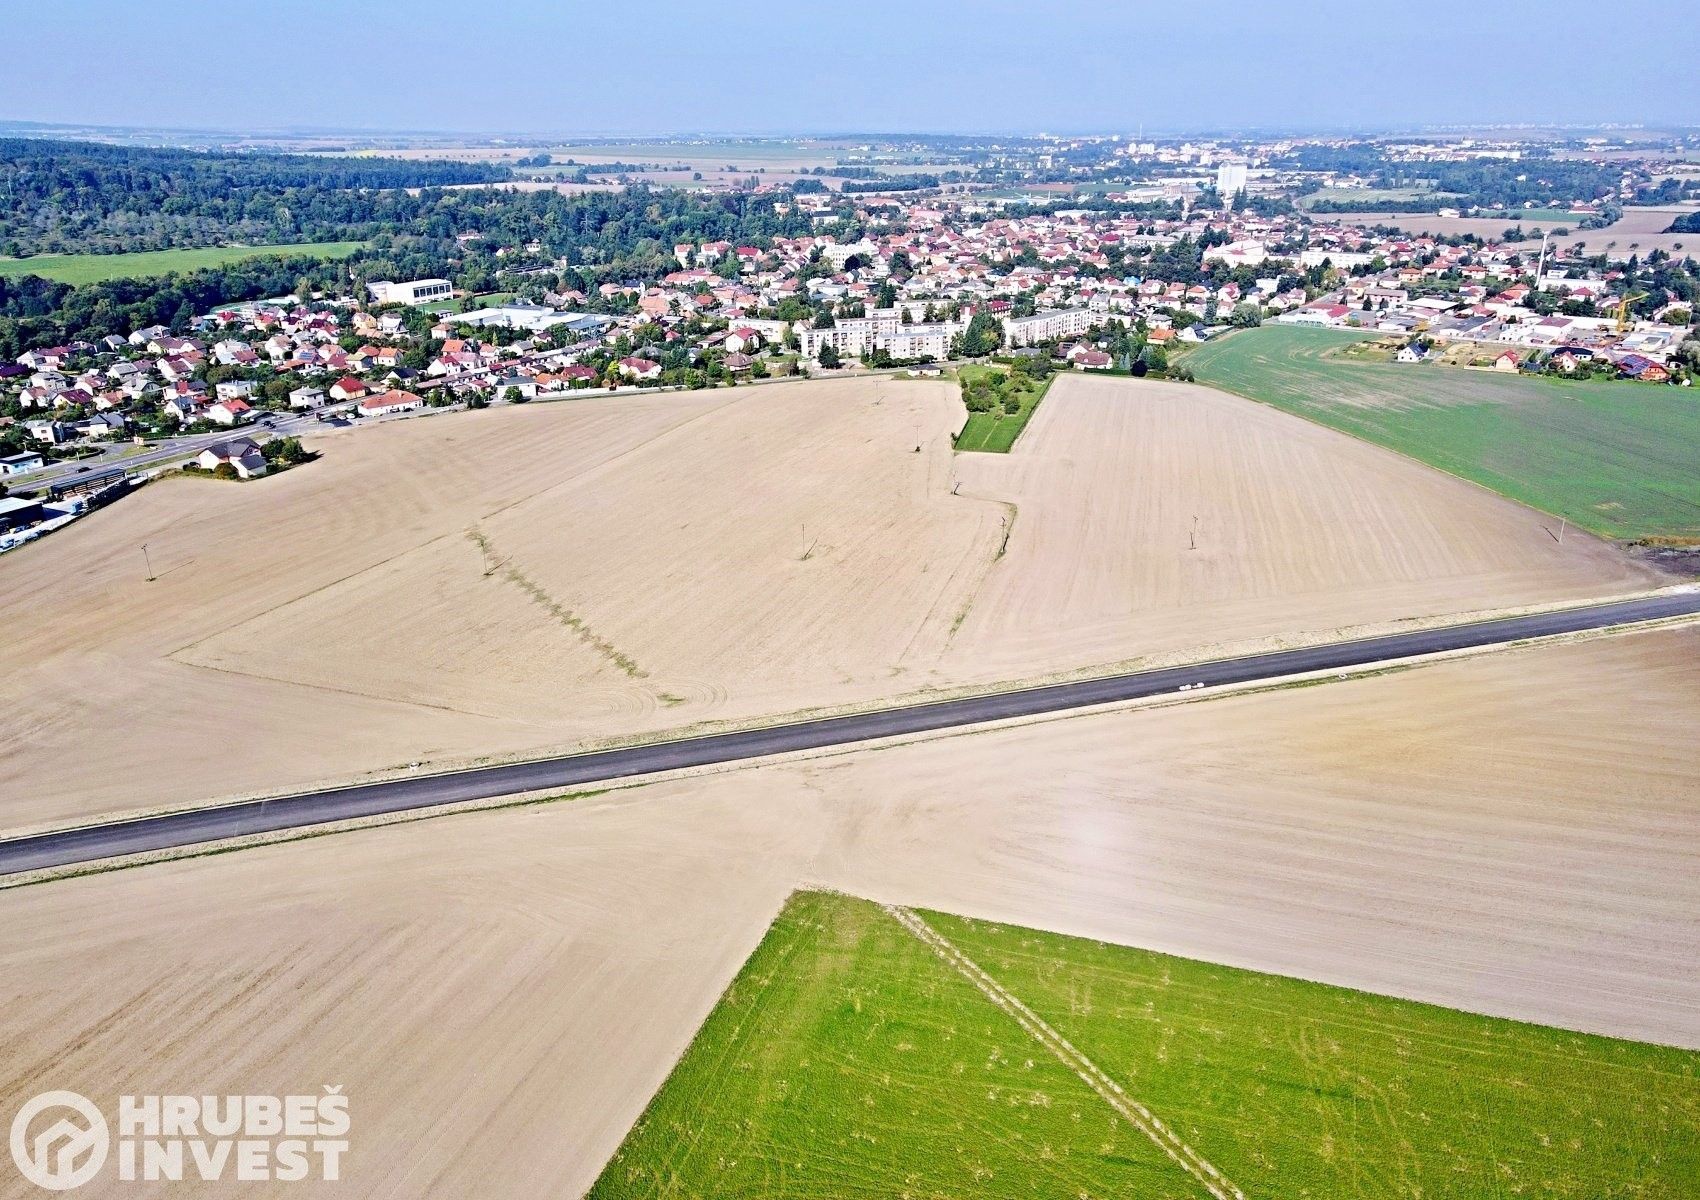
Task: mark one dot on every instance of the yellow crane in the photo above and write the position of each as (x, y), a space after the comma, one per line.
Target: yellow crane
(1623, 309)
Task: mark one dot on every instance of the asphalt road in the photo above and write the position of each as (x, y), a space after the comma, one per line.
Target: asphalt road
(88, 843)
(167, 451)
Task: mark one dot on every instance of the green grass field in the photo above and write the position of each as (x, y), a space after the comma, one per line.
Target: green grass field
(995, 432)
(95, 268)
(482, 300)
(1615, 458)
(849, 1060)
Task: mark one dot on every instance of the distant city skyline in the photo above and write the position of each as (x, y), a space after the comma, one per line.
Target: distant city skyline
(528, 67)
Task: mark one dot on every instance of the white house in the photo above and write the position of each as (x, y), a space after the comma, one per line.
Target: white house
(229, 413)
(639, 368)
(386, 403)
(241, 453)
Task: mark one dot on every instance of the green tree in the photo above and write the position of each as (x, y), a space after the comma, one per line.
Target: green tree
(983, 335)
(288, 451)
(828, 356)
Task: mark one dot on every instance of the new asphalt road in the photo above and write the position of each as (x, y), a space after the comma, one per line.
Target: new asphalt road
(170, 830)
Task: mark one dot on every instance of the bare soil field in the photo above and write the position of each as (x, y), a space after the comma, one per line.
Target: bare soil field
(1296, 529)
(500, 993)
(1642, 228)
(471, 584)
(102, 716)
(524, 580)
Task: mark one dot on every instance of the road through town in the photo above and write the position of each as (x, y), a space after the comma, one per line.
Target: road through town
(67, 847)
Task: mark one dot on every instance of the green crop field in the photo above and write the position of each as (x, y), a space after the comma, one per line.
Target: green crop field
(95, 268)
(995, 432)
(848, 1059)
(1615, 458)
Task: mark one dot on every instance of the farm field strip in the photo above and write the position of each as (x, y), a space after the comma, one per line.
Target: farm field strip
(1136, 1114)
(868, 1032)
(1612, 457)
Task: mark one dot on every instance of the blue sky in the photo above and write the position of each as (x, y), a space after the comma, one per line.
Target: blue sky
(861, 65)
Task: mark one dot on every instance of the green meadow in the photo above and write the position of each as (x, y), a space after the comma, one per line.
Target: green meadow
(1616, 458)
(848, 1059)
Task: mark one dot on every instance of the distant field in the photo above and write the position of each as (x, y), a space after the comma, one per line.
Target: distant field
(1421, 195)
(94, 268)
(1639, 230)
(709, 154)
(1615, 458)
(848, 1059)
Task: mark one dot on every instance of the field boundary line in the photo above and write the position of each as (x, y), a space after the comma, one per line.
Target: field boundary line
(1135, 1113)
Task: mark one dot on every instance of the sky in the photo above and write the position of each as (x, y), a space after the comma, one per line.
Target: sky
(864, 66)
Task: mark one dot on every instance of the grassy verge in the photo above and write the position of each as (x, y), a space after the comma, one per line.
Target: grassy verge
(995, 431)
(848, 1060)
(1615, 458)
(95, 268)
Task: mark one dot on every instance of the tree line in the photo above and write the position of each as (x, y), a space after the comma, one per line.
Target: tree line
(90, 197)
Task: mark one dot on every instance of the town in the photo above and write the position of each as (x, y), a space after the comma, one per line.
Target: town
(1119, 283)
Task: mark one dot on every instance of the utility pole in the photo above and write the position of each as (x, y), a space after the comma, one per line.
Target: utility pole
(148, 561)
(1192, 539)
(1562, 522)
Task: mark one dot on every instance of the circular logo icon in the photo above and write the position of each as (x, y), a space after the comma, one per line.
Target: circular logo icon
(65, 1150)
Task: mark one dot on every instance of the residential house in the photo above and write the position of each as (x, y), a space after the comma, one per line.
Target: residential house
(349, 388)
(229, 413)
(639, 368)
(241, 453)
(389, 403)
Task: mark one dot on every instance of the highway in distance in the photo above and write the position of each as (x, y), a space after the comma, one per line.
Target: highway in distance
(67, 847)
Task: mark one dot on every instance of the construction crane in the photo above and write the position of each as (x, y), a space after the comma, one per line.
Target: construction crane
(1623, 309)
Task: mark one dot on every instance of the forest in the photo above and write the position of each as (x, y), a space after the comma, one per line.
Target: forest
(89, 197)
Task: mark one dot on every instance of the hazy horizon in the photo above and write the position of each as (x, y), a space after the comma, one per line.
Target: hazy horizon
(531, 68)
